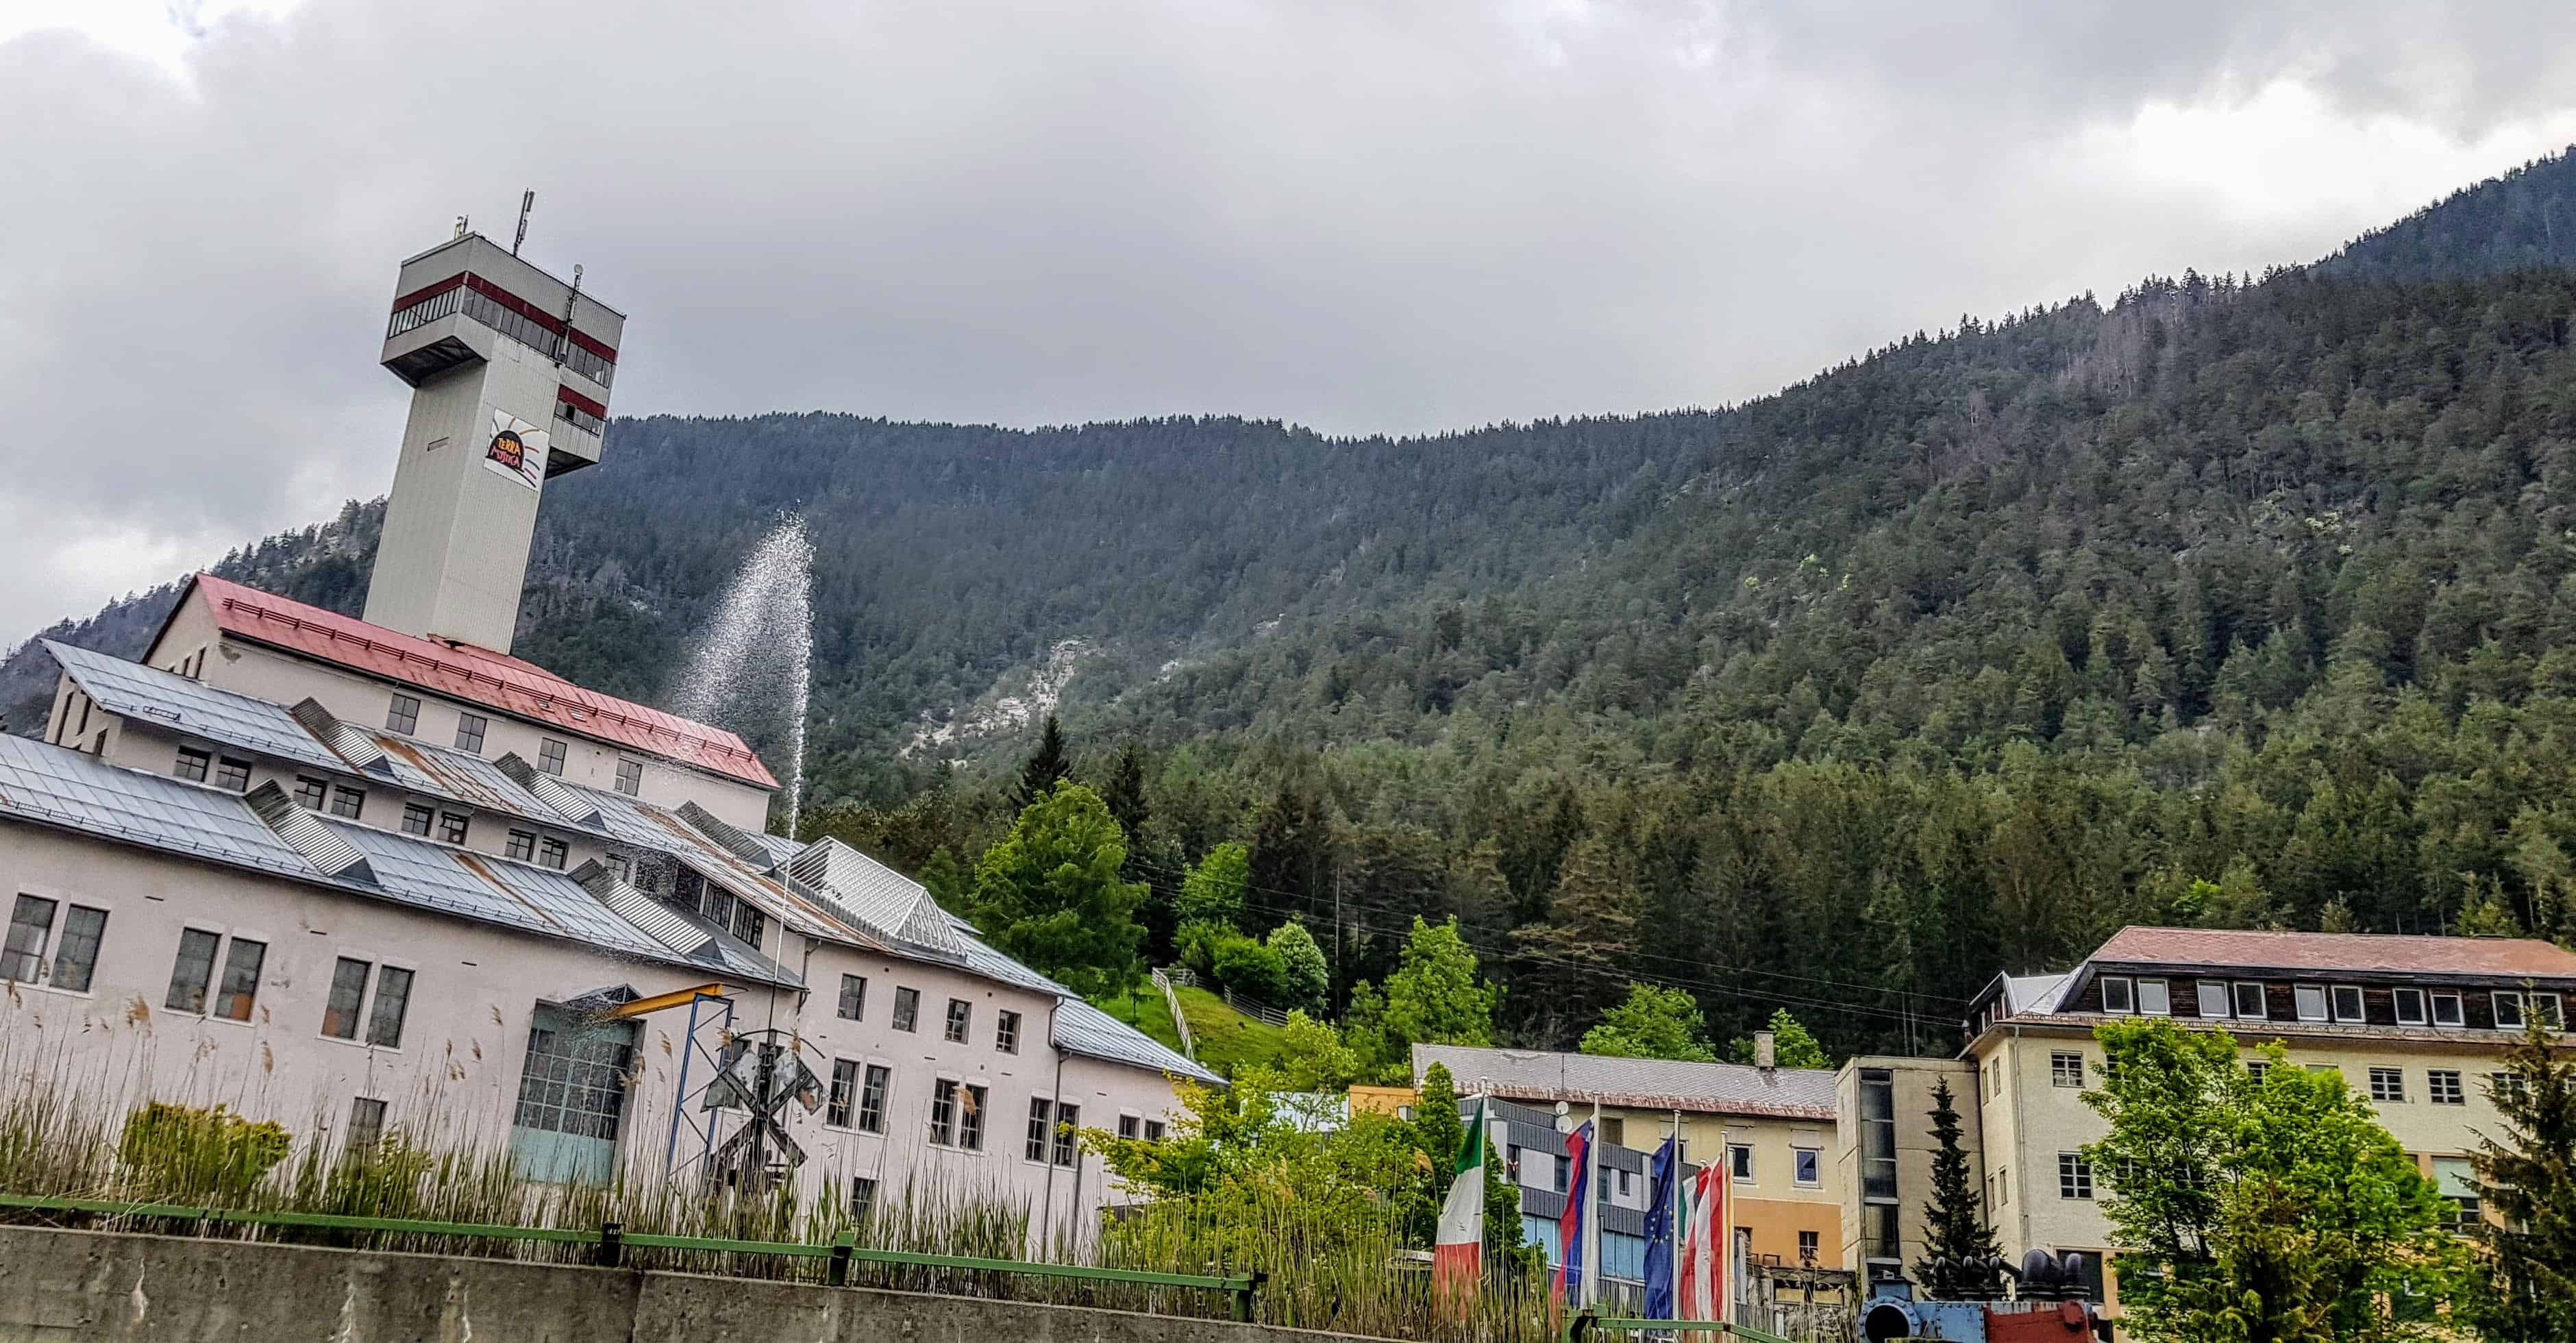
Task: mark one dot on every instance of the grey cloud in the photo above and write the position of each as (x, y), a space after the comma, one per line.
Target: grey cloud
(1357, 216)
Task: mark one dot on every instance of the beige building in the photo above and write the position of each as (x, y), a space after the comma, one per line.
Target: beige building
(1883, 1153)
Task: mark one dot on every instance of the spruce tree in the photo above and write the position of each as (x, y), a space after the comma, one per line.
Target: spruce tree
(1954, 1223)
(1046, 766)
(2525, 1289)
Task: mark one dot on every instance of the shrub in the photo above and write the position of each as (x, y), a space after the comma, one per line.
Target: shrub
(180, 1152)
(1247, 967)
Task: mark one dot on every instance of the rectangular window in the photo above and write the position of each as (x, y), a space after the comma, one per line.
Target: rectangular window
(1563, 1174)
(2508, 1011)
(2545, 1007)
(347, 801)
(844, 1093)
(1808, 1166)
(1006, 1032)
(2388, 1084)
(1153, 1130)
(2311, 1000)
(416, 819)
(366, 1126)
(310, 792)
(2502, 1087)
(2447, 1010)
(2442, 1087)
(233, 776)
(451, 827)
(1128, 1126)
(2074, 1176)
(717, 904)
(943, 1113)
(630, 777)
(2250, 1002)
(404, 715)
(1068, 1118)
(393, 1002)
(550, 756)
(2003, 1183)
(2119, 995)
(31, 925)
(863, 1197)
(193, 764)
(748, 923)
(348, 997)
(961, 1015)
(2409, 1006)
(854, 998)
(907, 1009)
(551, 852)
(1808, 1246)
(522, 845)
(2457, 1179)
(190, 974)
(1739, 1162)
(1614, 1130)
(872, 1098)
(2347, 1003)
(2212, 994)
(970, 1119)
(1041, 1118)
(2257, 1069)
(2155, 998)
(469, 732)
(76, 958)
(2066, 1070)
(240, 986)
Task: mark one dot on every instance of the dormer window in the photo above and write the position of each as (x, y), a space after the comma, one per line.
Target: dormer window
(2311, 999)
(2409, 1006)
(2508, 1011)
(2513, 1009)
(2119, 995)
(2250, 1002)
(2155, 998)
(2448, 1010)
(2347, 1003)
(2212, 994)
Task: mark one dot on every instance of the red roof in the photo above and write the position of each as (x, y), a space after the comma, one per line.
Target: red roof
(462, 671)
(2360, 953)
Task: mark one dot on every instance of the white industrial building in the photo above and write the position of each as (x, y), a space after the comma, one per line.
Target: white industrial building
(354, 875)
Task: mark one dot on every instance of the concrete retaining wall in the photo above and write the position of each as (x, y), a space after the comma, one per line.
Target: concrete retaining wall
(101, 1287)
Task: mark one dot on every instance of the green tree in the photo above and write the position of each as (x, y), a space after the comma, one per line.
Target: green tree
(1954, 1219)
(2523, 1290)
(2276, 1211)
(1049, 894)
(1435, 996)
(1213, 891)
(1312, 1056)
(1792, 1044)
(1654, 1023)
(1047, 766)
(1304, 978)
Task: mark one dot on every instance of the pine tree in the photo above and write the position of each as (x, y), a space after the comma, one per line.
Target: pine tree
(1047, 765)
(1954, 1222)
(2527, 1289)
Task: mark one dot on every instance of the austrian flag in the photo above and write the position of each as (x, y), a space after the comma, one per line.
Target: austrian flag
(1458, 1260)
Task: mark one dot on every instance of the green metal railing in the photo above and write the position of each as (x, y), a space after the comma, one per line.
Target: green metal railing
(611, 1241)
(1586, 1324)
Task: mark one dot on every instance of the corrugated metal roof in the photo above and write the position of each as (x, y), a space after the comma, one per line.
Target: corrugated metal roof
(2337, 953)
(1654, 1084)
(67, 788)
(153, 696)
(890, 902)
(1081, 1028)
(478, 675)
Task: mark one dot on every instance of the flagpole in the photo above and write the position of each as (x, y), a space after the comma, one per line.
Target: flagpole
(1673, 1261)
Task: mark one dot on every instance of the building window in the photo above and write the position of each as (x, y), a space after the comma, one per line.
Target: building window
(1878, 1232)
(2409, 1006)
(1006, 1032)
(863, 1198)
(1127, 1126)
(551, 852)
(2502, 1087)
(2545, 1006)
(404, 716)
(416, 819)
(2155, 998)
(2257, 1069)
(2212, 994)
(2347, 1003)
(1807, 1166)
(960, 1014)
(1041, 1112)
(2442, 1087)
(2003, 1184)
(366, 1127)
(2250, 1003)
(1068, 1118)
(31, 925)
(2311, 999)
(451, 827)
(2508, 1011)
(2388, 1084)
(393, 1002)
(1739, 1162)
(2447, 1010)
(907, 1009)
(310, 792)
(550, 756)
(347, 801)
(1153, 1130)
(76, 957)
(1808, 1247)
(2119, 995)
(2457, 1178)
(522, 845)
(872, 1098)
(2074, 1176)
(348, 998)
(970, 1119)
(193, 764)
(233, 776)
(630, 777)
(844, 1093)
(1614, 1130)
(1564, 1172)
(191, 973)
(943, 1113)
(240, 986)
(1623, 1183)
(2066, 1070)
(469, 732)
(617, 864)
(854, 998)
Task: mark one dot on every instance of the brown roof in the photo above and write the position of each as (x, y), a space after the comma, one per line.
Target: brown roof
(2361, 953)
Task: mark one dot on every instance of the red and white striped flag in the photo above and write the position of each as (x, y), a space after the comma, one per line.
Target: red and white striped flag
(1702, 1265)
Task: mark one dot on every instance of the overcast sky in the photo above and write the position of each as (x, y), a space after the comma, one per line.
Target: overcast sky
(1348, 213)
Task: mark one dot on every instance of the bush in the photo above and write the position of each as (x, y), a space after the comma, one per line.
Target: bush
(1305, 978)
(1194, 945)
(182, 1153)
(1249, 968)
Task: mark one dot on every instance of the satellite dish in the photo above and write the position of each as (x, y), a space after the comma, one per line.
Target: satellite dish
(1564, 1117)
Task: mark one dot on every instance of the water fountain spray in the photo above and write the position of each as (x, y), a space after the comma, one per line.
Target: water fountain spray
(759, 651)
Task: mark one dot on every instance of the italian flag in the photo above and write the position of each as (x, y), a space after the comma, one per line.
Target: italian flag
(1458, 1259)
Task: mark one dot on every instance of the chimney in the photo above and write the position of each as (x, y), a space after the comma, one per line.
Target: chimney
(1766, 1050)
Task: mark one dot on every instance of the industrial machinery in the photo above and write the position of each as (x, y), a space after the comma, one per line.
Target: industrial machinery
(2049, 1303)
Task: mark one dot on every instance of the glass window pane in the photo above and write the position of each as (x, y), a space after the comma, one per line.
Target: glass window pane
(469, 733)
(854, 997)
(2311, 1000)
(76, 960)
(2250, 1003)
(2213, 997)
(191, 972)
(2118, 995)
(393, 1001)
(30, 924)
(2347, 1002)
(348, 994)
(2409, 1005)
(2153, 998)
(241, 979)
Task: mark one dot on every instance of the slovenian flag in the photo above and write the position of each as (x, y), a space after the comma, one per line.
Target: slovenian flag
(1458, 1259)
(1569, 1228)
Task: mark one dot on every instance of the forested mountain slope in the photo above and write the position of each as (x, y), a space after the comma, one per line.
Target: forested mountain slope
(2230, 602)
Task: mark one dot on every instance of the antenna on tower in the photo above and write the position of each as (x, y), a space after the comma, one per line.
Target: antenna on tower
(527, 202)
